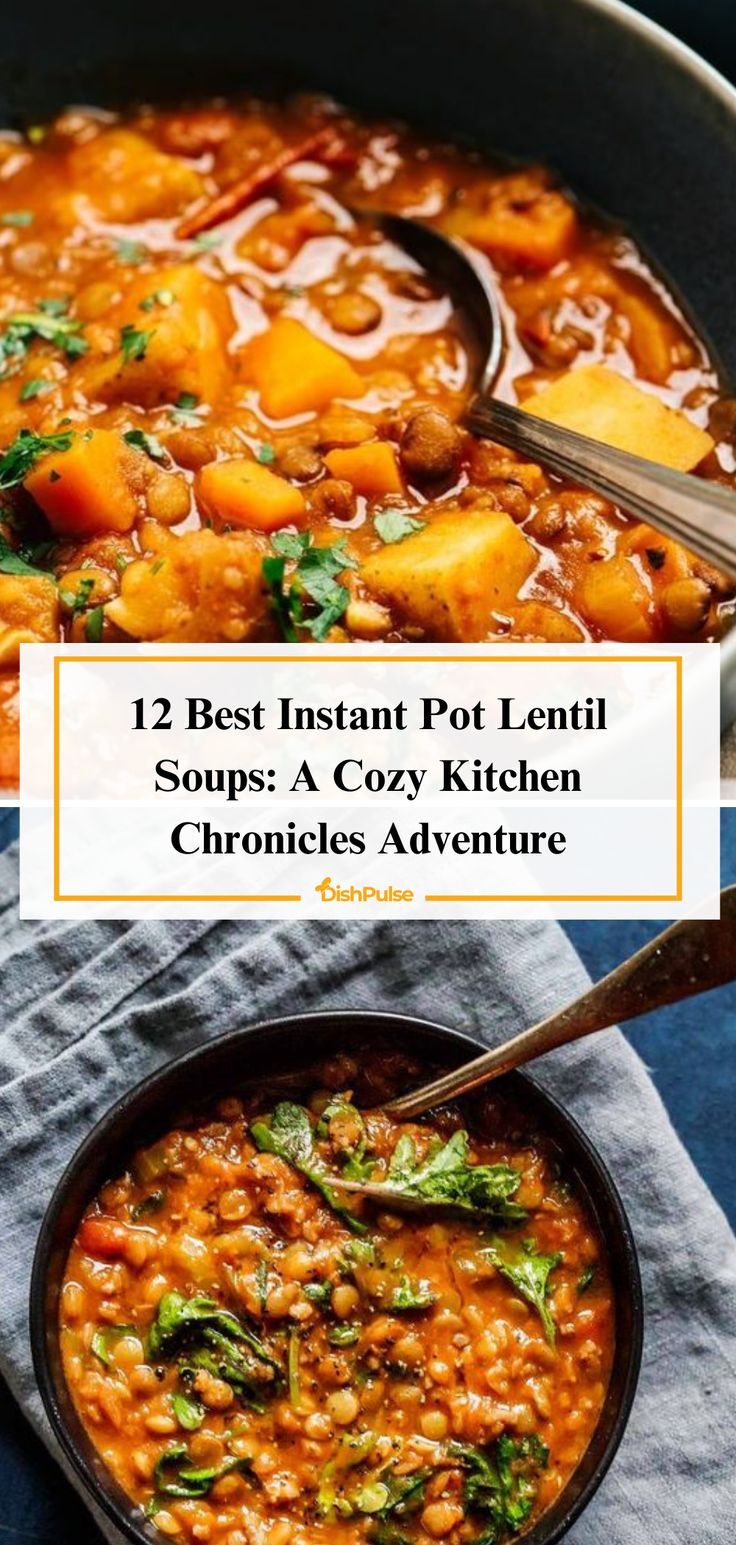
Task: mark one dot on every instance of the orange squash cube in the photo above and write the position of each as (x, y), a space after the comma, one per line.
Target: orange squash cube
(240, 492)
(91, 487)
(295, 372)
(372, 468)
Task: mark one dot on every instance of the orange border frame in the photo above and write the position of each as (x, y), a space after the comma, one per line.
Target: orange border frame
(307, 658)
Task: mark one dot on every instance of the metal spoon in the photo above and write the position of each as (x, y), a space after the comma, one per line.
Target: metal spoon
(690, 957)
(701, 515)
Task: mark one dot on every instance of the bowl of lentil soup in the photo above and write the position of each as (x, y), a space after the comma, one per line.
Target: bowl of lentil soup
(227, 1353)
(200, 316)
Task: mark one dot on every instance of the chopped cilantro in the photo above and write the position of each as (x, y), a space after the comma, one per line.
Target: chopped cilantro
(184, 410)
(133, 343)
(142, 441)
(17, 217)
(157, 298)
(13, 562)
(19, 458)
(131, 252)
(77, 600)
(395, 525)
(35, 388)
(49, 323)
(313, 582)
(94, 625)
(266, 454)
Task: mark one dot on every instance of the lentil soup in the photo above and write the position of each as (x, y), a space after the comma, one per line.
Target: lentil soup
(228, 404)
(260, 1358)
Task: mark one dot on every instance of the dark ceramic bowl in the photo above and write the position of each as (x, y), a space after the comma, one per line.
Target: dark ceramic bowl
(260, 1055)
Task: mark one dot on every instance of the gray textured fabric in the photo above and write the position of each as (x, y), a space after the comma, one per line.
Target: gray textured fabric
(89, 1009)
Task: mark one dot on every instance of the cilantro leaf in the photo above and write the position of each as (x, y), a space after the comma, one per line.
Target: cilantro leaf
(19, 458)
(149, 444)
(133, 343)
(18, 217)
(314, 581)
(410, 1295)
(94, 625)
(132, 252)
(395, 525)
(288, 1133)
(35, 388)
(50, 323)
(529, 1273)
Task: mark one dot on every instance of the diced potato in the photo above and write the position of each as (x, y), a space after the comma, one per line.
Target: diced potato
(597, 402)
(615, 599)
(123, 177)
(449, 578)
(29, 614)
(519, 218)
(240, 492)
(295, 372)
(652, 336)
(94, 486)
(536, 620)
(371, 468)
(185, 347)
(198, 587)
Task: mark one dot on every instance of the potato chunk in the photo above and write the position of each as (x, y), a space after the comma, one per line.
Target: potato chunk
(186, 322)
(598, 402)
(295, 372)
(94, 486)
(123, 177)
(449, 578)
(198, 587)
(29, 613)
(240, 492)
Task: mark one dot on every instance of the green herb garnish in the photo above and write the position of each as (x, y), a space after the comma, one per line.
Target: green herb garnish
(131, 252)
(49, 323)
(149, 444)
(133, 343)
(395, 525)
(19, 458)
(313, 583)
(17, 217)
(104, 1340)
(288, 1133)
(501, 1482)
(94, 625)
(444, 1178)
(529, 1273)
(198, 1334)
(36, 388)
(188, 1412)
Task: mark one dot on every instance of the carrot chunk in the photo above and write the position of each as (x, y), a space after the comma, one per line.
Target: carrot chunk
(240, 492)
(519, 218)
(90, 487)
(295, 372)
(371, 468)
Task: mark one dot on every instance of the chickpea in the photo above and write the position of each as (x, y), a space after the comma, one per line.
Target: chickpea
(439, 1518)
(434, 1424)
(127, 1353)
(213, 1392)
(168, 498)
(318, 1427)
(345, 1299)
(72, 1300)
(234, 1205)
(297, 1263)
(160, 1424)
(167, 1523)
(686, 604)
(343, 1406)
(367, 619)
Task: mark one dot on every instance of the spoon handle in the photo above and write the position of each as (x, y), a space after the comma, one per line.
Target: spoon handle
(689, 957)
(699, 514)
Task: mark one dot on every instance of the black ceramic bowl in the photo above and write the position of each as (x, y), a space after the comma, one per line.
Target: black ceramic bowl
(260, 1055)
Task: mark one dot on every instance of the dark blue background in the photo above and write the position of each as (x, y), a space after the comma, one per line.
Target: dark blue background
(689, 1049)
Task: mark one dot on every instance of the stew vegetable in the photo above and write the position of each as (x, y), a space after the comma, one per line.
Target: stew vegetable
(259, 1357)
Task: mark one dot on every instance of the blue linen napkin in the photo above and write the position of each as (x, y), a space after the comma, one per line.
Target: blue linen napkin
(90, 1008)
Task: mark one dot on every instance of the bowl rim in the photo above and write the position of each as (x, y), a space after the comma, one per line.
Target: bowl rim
(135, 1528)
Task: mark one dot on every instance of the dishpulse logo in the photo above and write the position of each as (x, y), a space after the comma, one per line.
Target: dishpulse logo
(329, 890)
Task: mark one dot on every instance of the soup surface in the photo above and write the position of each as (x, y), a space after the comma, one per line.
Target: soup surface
(228, 403)
(261, 1358)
